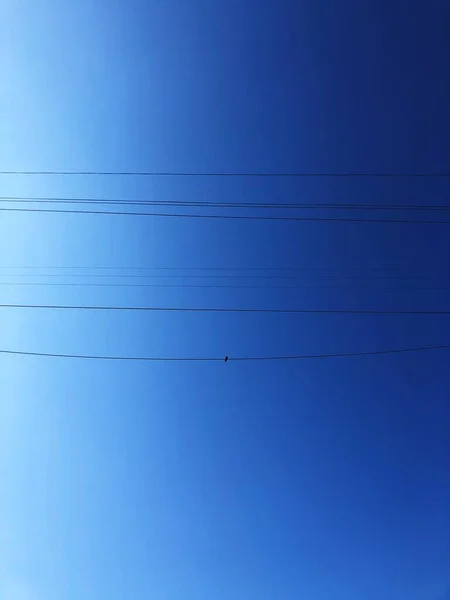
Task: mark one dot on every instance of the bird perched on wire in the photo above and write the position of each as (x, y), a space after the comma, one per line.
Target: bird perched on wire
(226, 358)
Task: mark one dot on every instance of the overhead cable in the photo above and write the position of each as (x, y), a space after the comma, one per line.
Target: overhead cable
(224, 217)
(226, 310)
(256, 174)
(226, 358)
(216, 204)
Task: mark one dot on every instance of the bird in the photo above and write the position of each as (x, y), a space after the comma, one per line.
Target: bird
(226, 358)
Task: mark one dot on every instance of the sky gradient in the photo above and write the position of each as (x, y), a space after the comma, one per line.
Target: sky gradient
(319, 480)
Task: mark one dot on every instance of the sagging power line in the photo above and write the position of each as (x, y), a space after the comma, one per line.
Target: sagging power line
(224, 217)
(225, 358)
(14, 284)
(226, 310)
(142, 268)
(272, 277)
(255, 174)
(237, 205)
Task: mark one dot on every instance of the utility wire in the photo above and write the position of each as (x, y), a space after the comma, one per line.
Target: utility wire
(151, 276)
(229, 310)
(210, 204)
(225, 359)
(370, 273)
(227, 174)
(238, 277)
(228, 217)
(190, 276)
(220, 286)
(79, 268)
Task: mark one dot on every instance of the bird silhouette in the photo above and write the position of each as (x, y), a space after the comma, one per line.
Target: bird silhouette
(226, 358)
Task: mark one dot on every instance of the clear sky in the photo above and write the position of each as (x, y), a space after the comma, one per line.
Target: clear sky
(315, 480)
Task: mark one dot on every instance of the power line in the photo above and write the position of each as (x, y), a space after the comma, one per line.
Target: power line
(317, 174)
(219, 286)
(229, 310)
(199, 273)
(227, 217)
(129, 268)
(228, 358)
(190, 276)
(211, 204)
(152, 276)
(369, 273)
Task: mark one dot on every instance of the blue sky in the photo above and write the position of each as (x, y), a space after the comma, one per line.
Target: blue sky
(321, 480)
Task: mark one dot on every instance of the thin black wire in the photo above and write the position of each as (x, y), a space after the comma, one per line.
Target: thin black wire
(219, 286)
(210, 204)
(228, 359)
(229, 310)
(151, 276)
(224, 174)
(228, 217)
(268, 277)
(202, 268)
